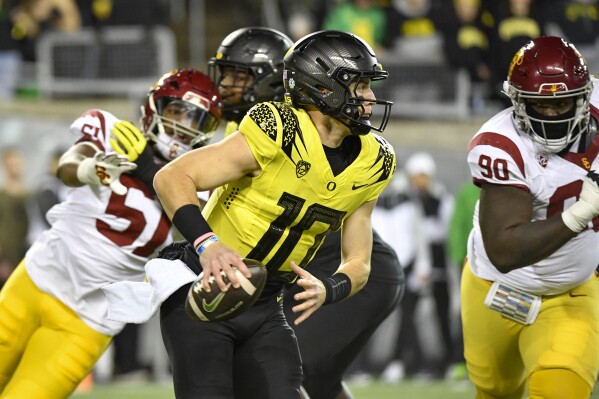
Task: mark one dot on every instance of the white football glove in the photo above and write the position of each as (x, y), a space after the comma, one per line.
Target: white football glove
(578, 216)
(105, 169)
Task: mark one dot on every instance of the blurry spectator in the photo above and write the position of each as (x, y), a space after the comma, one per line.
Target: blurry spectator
(306, 16)
(96, 13)
(127, 364)
(578, 22)
(575, 20)
(413, 29)
(461, 222)
(400, 222)
(466, 45)
(49, 191)
(437, 204)
(10, 51)
(33, 17)
(457, 245)
(515, 23)
(13, 213)
(365, 18)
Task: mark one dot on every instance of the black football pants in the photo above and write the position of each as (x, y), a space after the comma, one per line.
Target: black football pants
(253, 355)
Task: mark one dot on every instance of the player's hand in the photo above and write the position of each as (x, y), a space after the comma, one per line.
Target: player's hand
(311, 298)
(130, 141)
(219, 257)
(578, 216)
(105, 169)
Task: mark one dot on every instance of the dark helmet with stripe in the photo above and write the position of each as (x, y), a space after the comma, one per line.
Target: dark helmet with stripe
(319, 70)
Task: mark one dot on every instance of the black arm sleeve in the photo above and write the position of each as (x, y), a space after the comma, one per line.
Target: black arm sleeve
(146, 168)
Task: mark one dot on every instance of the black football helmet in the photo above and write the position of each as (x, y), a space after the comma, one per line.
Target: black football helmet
(259, 53)
(333, 60)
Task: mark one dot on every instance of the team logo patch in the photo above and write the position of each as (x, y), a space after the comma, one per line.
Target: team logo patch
(542, 160)
(302, 168)
(291, 83)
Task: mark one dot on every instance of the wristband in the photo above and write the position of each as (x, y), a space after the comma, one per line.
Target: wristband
(206, 243)
(201, 239)
(338, 287)
(191, 224)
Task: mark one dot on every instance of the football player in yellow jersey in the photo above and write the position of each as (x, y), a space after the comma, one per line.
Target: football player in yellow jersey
(248, 68)
(294, 172)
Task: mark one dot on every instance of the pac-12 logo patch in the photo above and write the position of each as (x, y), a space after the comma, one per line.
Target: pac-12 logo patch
(302, 168)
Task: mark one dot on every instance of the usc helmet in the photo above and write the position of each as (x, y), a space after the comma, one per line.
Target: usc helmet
(333, 60)
(198, 101)
(258, 52)
(549, 68)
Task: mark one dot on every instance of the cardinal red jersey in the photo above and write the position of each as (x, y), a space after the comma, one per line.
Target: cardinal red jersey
(97, 237)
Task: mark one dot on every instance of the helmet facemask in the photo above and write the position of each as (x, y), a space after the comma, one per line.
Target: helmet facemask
(554, 133)
(546, 77)
(174, 137)
(181, 112)
(353, 112)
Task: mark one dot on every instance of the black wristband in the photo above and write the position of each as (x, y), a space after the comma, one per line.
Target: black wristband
(191, 224)
(146, 168)
(338, 287)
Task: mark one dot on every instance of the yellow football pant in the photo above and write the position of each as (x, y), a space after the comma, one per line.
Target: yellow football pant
(45, 348)
(557, 355)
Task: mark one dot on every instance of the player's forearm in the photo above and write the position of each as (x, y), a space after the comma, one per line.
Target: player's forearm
(358, 272)
(69, 163)
(174, 189)
(526, 244)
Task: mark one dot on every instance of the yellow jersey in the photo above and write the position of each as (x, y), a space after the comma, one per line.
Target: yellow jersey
(283, 214)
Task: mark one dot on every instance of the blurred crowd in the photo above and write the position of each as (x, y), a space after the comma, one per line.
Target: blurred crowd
(479, 36)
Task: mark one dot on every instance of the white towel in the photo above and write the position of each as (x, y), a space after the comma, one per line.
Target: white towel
(137, 302)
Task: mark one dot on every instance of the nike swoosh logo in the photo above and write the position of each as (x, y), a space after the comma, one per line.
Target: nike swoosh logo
(210, 307)
(575, 295)
(357, 186)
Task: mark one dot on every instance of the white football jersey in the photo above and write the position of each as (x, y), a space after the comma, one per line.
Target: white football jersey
(97, 237)
(499, 154)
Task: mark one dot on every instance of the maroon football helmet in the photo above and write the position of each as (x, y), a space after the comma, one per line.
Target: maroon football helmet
(550, 68)
(194, 98)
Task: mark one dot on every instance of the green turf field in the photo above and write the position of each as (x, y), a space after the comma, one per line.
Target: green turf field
(404, 390)
(409, 390)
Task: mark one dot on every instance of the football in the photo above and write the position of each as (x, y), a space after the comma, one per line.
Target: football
(217, 305)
